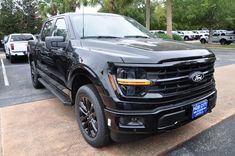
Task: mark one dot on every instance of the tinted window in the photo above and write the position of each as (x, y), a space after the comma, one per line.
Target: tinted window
(60, 28)
(15, 38)
(46, 30)
(108, 25)
(215, 34)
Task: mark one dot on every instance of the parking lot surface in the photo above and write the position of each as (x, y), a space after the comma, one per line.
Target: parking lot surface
(36, 123)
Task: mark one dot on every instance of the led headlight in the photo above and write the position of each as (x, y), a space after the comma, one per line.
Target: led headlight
(132, 81)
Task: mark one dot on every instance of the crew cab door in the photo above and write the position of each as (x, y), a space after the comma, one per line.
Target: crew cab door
(59, 55)
(44, 59)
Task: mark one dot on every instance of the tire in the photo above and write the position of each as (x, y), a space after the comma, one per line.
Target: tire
(203, 41)
(12, 59)
(186, 38)
(90, 116)
(7, 56)
(34, 77)
(223, 42)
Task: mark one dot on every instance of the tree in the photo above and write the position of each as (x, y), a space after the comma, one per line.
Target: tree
(210, 14)
(10, 17)
(169, 17)
(148, 14)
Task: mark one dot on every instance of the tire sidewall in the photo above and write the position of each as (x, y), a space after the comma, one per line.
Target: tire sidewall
(102, 134)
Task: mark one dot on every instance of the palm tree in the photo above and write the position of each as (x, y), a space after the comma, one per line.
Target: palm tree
(169, 17)
(148, 14)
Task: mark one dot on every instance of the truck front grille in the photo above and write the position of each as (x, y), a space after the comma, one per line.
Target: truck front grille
(172, 82)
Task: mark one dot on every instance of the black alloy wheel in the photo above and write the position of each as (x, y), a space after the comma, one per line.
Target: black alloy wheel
(88, 116)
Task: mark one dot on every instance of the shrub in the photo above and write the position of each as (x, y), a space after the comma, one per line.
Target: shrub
(165, 36)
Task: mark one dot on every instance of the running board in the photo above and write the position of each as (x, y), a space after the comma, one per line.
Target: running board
(64, 98)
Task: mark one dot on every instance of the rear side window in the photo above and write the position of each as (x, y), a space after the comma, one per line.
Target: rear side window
(60, 28)
(46, 30)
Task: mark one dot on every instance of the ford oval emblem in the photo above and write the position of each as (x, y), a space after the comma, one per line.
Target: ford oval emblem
(196, 76)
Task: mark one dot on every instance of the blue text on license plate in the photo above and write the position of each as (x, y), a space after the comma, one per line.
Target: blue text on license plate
(199, 108)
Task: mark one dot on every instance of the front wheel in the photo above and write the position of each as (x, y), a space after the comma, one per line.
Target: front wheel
(12, 59)
(90, 116)
(186, 38)
(203, 41)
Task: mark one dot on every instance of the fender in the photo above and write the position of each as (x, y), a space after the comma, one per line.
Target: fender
(83, 70)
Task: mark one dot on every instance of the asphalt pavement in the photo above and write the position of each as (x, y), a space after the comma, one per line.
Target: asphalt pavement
(20, 89)
(216, 141)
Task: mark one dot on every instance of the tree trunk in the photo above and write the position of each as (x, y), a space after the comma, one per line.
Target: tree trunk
(148, 14)
(210, 35)
(169, 17)
(111, 6)
(73, 5)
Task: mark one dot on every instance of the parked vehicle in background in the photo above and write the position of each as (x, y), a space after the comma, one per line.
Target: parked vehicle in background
(4, 41)
(16, 45)
(123, 81)
(2, 44)
(219, 37)
(158, 31)
(200, 33)
(187, 35)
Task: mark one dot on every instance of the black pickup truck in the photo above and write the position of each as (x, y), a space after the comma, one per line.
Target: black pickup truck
(123, 81)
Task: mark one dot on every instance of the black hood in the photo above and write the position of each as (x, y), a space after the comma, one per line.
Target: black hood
(144, 50)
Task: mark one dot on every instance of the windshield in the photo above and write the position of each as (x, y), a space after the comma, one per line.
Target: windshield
(15, 38)
(109, 26)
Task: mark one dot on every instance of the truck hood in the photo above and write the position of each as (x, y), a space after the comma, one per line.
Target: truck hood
(144, 50)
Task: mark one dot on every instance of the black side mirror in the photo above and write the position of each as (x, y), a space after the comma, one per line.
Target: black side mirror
(56, 42)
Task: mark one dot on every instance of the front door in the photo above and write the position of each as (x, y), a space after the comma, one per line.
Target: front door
(59, 55)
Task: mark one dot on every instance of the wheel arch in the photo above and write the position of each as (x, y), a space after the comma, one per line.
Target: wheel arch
(82, 76)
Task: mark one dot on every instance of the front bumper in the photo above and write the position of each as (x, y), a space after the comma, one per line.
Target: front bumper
(157, 120)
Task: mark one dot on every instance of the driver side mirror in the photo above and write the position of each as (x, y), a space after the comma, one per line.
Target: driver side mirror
(55, 42)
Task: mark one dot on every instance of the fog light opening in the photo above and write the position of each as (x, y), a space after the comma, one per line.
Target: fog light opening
(131, 122)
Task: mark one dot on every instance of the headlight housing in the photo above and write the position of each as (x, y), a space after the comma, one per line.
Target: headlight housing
(132, 81)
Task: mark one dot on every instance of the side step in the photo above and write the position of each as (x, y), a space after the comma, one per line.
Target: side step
(64, 98)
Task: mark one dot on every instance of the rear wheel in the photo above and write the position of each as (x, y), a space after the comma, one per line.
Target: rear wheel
(90, 116)
(34, 77)
(223, 42)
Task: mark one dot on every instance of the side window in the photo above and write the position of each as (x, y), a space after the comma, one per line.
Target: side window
(60, 28)
(46, 30)
(215, 34)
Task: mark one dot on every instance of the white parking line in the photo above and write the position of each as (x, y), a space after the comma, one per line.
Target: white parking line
(4, 74)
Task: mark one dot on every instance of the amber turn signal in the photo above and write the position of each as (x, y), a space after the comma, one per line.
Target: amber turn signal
(112, 82)
(134, 82)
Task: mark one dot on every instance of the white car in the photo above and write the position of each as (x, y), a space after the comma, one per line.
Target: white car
(187, 35)
(218, 37)
(16, 45)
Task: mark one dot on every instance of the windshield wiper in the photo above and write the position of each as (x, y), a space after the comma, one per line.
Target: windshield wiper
(100, 37)
(136, 36)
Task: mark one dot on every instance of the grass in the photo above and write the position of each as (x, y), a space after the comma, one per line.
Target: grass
(232, 46)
